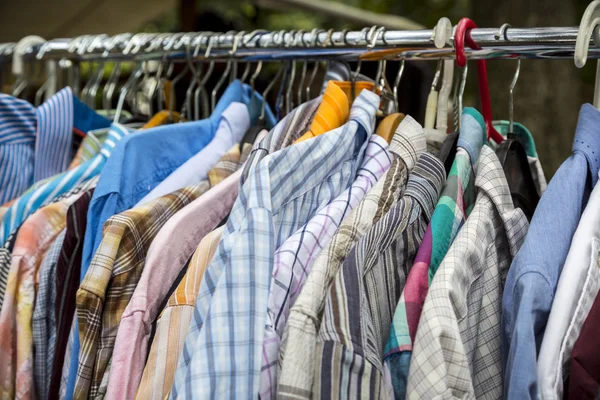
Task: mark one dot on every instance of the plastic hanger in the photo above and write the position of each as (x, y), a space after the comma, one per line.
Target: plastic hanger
(18, 64)
(463, 33)
(442, 37)
(588, 28)
(432, 99)
(513, 157)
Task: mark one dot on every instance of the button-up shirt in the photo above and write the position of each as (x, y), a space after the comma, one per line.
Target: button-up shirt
(571, 301)
(296, 364)
(173, 323)
(44, 319)
(457, 350)
(294, 259)
(534, 274)
(235, 121)
(66, 283)
(31, 201)
(167, 255)
(281, 194)
(16, 335)
(361, 301)
(35, 143)
(455, 204)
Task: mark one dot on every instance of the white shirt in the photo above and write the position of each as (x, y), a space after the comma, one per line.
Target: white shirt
(575, 293)
(235, 121)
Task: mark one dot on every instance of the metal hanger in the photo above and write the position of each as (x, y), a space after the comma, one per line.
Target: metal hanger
(174, 83)
(111, 83)
(196, 74)
(397, 83)
(131, 81)
(289, 102)
(588, 28)
(228, 69)
(313, 34)
(372, 42)
(18, 64)
(315, 69)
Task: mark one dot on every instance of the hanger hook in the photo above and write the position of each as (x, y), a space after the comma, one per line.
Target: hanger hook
(588, 28)
(442, 32)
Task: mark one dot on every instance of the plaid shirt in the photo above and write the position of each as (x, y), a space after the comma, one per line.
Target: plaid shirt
(296, 361)
(110, 281)
(457, 351)
(361, 301)
(173, 323)
(5, 261)
(67, 282)
(44, 319)
(294, 259)
(222, 353)
(455, 204)
(16, 334)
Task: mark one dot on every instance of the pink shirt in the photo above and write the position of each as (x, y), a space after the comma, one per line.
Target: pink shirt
(169, 252)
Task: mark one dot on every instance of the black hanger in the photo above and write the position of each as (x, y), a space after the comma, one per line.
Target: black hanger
(447, 152)
(516, 167)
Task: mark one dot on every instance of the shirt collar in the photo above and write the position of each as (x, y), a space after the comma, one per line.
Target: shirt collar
(18, 120)
(235, 121)
(408, 142)
(425, 182)
(587, 138)
(243, 93)
(115, 134)
(472, 134)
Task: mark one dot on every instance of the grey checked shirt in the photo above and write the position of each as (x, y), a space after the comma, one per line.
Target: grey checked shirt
(457, 350)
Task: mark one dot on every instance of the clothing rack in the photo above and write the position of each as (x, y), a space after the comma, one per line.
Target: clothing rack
(368, 44)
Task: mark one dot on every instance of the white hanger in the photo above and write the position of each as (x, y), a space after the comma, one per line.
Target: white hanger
(442, 33)
(587, 28)
(18, 64)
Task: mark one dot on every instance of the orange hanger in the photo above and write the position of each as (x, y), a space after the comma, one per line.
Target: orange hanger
(463, 32)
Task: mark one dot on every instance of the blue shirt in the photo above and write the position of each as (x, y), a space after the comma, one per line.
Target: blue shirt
(534, 273)
(140, 162)
(36, 143)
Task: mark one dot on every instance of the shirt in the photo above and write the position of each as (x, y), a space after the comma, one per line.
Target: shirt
(584, 379)
(67, 283)
(167, 255)
(295, 363)
(451, 211)
(16, 335)
(362, 298)
(44, 319)
(173, 323)
(235, 121)
(89, 147)
(62, 183)
(533, 276)
(570, 295)
(293, 260)
(109, 284)
(155, 153)
(284, 191)
(457, 350)
(35, 143)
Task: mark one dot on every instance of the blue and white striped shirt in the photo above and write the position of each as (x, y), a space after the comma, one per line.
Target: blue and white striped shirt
(36, 143)
(222, 355)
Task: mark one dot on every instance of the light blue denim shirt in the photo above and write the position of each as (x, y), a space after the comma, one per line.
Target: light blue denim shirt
(534, 273)
(140, 162)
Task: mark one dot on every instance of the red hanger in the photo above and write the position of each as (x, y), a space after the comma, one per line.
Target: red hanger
(463, 31)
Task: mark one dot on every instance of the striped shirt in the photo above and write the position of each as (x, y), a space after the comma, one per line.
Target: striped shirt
(44, 319)
(67, 282)
(458, 346)
(362, 298)
(31, 201)
(36, 143)
(110, 281)
(223, 349)
(5, 260)
(294, 259)
(296, 355)
(455, 204)
(89, 147)
(16, 335)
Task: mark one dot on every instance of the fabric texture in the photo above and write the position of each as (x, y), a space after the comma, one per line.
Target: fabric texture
(294, 258)
(534, 273)
(235, 121)
(457, 350)
(44, 319)
(110, 282)
(89, 147)
(222, 355)
(16, 335)
(67, 283)
(173, 323)
(35, 143)
(168, 253)
(454, 206)
(296, 364)
(570, 296)
(5, 262)
(361, 301)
